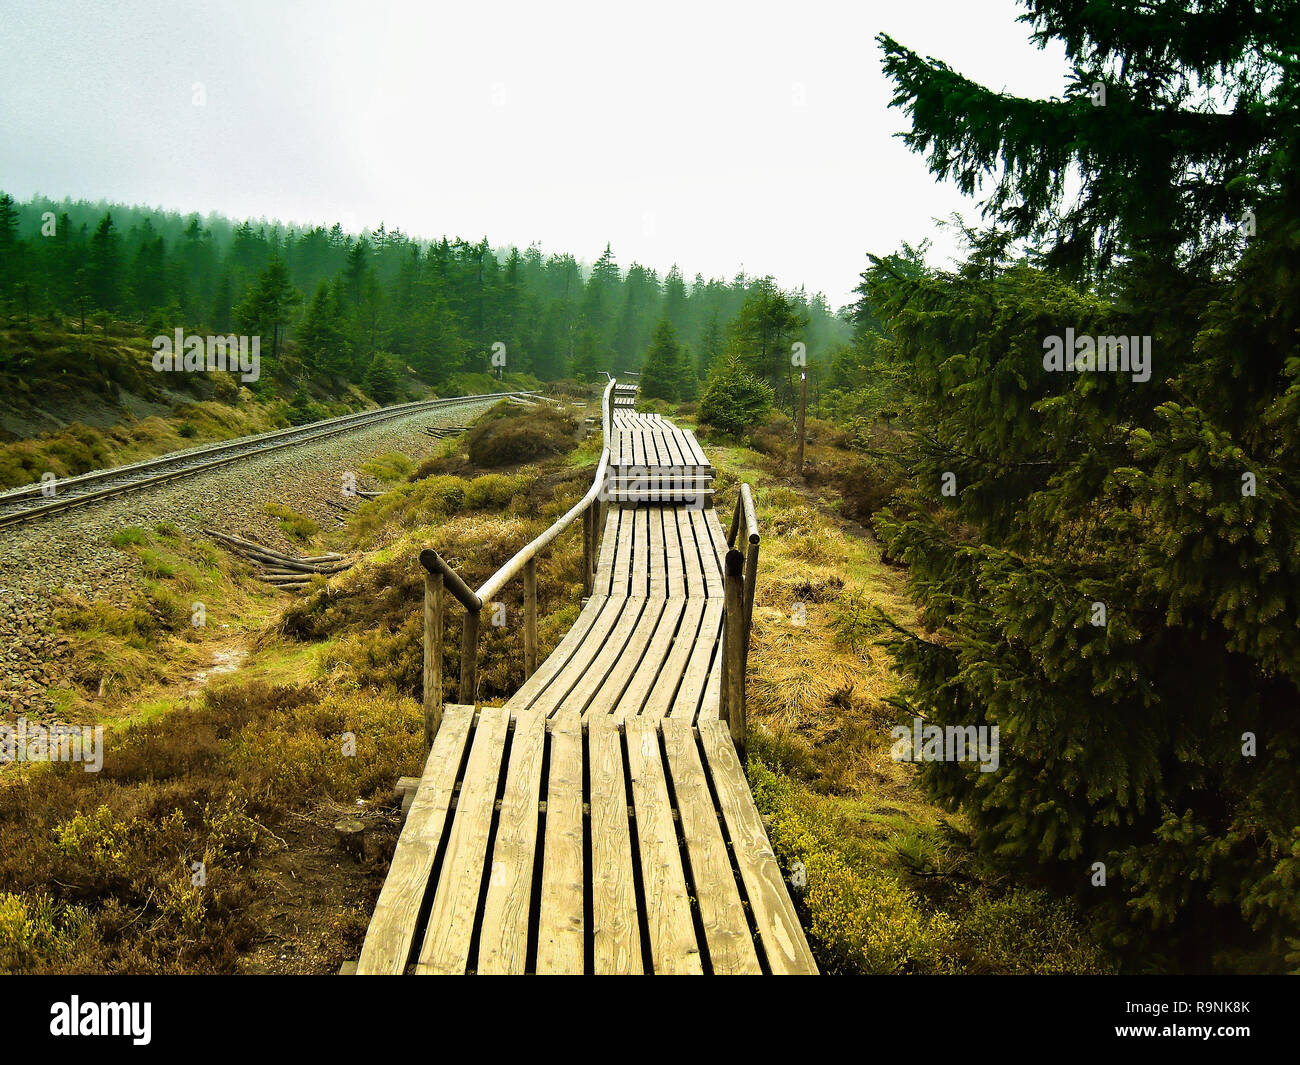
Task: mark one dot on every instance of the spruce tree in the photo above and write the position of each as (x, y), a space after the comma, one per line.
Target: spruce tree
(663, 369)
(322, 338)
(1109, 569)
(268, 305)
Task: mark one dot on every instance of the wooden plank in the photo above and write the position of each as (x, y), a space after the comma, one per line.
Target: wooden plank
(661, 697)
(447, 944)
(503, 939)
(623, 555)
(622, 671)
(710, 560)
(603, 660)
(654, 455)
(561, 918)
(615, 929)
(711, 581)
(658, 560)
(675, 579)
(704, 652)
(667, 906)
(555, 695)
(676, 455)
(642, 560)
(694, 446)
(605, 566)
(692, 571)
(392, 926)
(717, 535)
(570, 645)
(646, 673)
(726, 932)
(711, 704)
(778, 925)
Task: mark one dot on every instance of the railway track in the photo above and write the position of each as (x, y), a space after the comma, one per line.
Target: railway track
(33, 502)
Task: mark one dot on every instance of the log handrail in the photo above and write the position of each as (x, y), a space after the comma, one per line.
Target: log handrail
(440, 576)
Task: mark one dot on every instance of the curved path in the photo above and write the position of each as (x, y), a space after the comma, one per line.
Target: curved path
(601, 821)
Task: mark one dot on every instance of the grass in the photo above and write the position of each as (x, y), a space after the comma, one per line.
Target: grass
(248, 776)
(80, 448)
(509, 435)
(390, 467)
(295, 527)
(890, 884)
(188, 594)
(100, 869)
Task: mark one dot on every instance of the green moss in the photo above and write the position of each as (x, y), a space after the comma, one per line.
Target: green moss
(390, 467)
(128, 537)
(296, 527)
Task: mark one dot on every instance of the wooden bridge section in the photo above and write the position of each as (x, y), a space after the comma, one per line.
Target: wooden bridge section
(601, 822)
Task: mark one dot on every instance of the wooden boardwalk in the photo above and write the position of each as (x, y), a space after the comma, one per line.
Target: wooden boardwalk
(601, 822)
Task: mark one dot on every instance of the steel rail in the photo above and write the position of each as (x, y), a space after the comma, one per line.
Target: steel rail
(227, 452)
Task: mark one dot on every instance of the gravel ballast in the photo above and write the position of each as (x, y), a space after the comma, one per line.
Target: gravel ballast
(72, 552)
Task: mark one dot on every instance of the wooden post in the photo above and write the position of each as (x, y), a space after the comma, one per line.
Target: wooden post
(588, 550)
(746, 504)
(469, 660)
(751, 581)
(530, 617)
(433, 601)
(803, 408)
(733, 650)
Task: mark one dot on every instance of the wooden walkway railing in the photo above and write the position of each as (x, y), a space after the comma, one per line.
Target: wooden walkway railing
(601, 820)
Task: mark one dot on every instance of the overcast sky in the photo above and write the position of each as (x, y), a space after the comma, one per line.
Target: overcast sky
(713, 135)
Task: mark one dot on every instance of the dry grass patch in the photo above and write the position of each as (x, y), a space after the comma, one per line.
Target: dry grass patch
(100, 869)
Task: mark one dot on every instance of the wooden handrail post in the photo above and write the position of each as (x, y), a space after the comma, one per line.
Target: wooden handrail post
(733, 650)
(746, 505)
(433, 613)
(751, 582)
(586, 552)
(469, 659)
(530, 618)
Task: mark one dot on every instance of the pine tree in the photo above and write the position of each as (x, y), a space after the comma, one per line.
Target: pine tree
(585, 365)
(383, 378)
(762, 335)
(323, 338)
(1108, 569)
(735, 399)
(664, 368)
(268, 305)
(710, 348)
(10, 246)
(104, 272)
